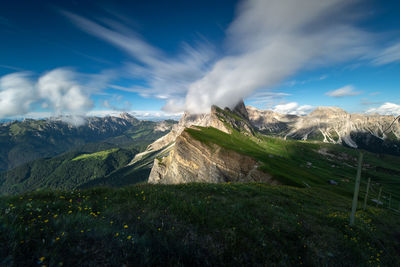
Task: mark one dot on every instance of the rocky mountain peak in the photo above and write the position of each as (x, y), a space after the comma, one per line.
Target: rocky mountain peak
(221, 119)
(328, 112)
(241, 110)
(127, 116)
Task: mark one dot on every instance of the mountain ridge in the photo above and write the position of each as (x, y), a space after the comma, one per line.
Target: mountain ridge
(191, 157)
(28, 140)
(332, 125)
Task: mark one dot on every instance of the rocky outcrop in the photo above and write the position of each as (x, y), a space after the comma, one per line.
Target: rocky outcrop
(221, 119)
(193, 161)
(189, 160)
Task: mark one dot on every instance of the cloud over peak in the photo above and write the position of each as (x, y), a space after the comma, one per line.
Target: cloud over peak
(271, 40)
(347, 90)
(268, 41)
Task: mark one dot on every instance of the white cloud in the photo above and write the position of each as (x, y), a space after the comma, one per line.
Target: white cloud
(17, 93)
(293, 108)
(60, 91)
(389, 55)
(301, 82)
(270, 40)
(63, 93)
(386, 109)
(347, 90)
(267, 98)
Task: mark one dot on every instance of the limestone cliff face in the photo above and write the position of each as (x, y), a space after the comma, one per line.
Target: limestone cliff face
(217, 118)
(193, 161)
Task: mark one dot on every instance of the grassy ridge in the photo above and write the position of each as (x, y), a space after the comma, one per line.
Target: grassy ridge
(101, 155)
(67, 171)
(194, 224)
(301, 163)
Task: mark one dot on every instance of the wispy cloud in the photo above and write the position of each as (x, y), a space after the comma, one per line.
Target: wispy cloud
(347, 90)
(163, 76)
(264, 47)
(271, 40)
(374, 93)
(386, 109)
(267, 42)
(301, 82)
(11, 67)
(293, 108)
(267, 98)
(389, 55)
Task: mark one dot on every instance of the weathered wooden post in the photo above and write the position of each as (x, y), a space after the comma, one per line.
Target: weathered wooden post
(366, 194)
(356, 190)
(379, 196)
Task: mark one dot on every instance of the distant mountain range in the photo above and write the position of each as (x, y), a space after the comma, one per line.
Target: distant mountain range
(54, 154)
(375, 133)
(27, 140)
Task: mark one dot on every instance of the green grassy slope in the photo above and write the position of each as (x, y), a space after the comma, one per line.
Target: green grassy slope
(195, 224)
(83, 166)
(67, 171)
(28, 140)
(303, 164)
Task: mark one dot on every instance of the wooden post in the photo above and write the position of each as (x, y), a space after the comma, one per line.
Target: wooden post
(356, 190)
(366, 194)
(379, 196)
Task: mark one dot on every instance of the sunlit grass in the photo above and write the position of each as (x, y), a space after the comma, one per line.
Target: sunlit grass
(101, 155)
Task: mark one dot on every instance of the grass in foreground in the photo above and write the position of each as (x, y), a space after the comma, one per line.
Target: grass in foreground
(194, 224)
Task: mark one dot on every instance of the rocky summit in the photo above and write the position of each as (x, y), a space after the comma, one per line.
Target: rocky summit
(190, 160)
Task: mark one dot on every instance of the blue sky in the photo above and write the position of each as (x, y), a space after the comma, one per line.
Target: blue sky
(160, 58)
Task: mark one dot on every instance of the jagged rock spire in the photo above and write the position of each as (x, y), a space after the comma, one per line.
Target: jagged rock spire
(240, 109)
